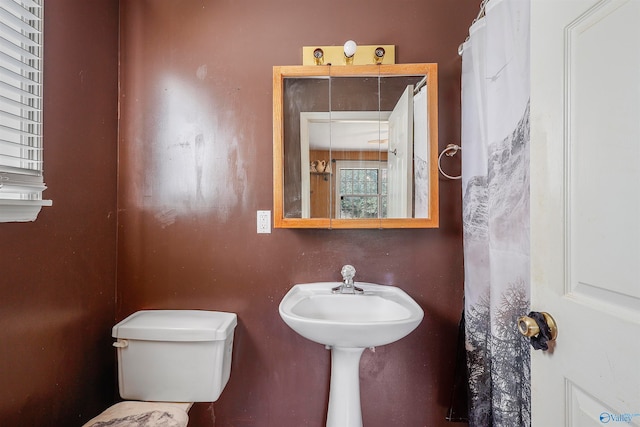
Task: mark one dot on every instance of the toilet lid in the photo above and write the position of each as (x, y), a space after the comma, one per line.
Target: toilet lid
(176, 325)
(142, 413)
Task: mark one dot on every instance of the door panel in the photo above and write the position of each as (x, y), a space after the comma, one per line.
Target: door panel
(400, 158)
(585, 194)
(604, 122)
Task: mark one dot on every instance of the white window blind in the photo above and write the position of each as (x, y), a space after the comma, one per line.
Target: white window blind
(21, 163)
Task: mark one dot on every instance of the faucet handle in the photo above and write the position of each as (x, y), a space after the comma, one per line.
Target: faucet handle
(348, 272)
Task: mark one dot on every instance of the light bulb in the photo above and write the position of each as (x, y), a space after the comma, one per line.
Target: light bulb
(350, 48)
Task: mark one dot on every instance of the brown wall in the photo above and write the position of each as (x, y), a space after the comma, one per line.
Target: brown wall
(57, 279)
(195, 165)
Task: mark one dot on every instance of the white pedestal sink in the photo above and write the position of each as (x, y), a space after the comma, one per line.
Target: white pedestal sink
(349, 323)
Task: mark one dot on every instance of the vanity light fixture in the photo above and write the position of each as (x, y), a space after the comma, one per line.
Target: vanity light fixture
(347, 55)
(318, 56)
(350, 48)
(378, 55)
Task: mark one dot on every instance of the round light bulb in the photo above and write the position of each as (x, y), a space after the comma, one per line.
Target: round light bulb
(350, 48)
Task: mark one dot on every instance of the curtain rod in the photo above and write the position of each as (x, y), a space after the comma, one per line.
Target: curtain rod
(483, 6)
(481, 12)
(419, 85)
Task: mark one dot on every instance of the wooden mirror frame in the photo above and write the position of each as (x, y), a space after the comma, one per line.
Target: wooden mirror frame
(282, 72)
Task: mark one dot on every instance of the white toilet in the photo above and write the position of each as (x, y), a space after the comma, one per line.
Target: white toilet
(168, 359)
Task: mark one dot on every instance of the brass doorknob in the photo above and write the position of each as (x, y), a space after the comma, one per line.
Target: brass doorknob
(529, 327)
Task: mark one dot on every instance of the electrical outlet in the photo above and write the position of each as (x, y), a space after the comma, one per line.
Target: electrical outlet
(264, 221)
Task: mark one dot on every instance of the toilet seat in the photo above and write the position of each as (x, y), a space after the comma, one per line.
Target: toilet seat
(143, 414)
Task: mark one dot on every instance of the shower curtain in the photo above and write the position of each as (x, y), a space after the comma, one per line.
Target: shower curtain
(495, 185)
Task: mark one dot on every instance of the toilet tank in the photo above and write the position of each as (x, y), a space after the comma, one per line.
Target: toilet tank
(174, 355)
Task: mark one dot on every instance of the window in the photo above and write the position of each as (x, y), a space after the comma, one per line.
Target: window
(21, 167)
(362, 189)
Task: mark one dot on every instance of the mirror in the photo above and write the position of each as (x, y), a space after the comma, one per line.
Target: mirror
(355, 146)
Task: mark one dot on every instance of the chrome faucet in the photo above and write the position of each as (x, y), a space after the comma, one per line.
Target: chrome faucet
(348, 272)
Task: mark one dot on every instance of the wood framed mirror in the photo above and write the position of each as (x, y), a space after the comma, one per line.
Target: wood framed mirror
(355, 146)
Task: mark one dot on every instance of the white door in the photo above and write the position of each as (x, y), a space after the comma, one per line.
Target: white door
(585, 210)
(400, 158)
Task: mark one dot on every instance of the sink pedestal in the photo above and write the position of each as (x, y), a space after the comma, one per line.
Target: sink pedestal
(344, 389)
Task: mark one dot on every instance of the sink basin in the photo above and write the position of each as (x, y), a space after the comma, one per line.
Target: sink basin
(347, 324)
(379, 316)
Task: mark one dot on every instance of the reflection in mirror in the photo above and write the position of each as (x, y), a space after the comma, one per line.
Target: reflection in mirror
(343, 151)
(354, 148)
